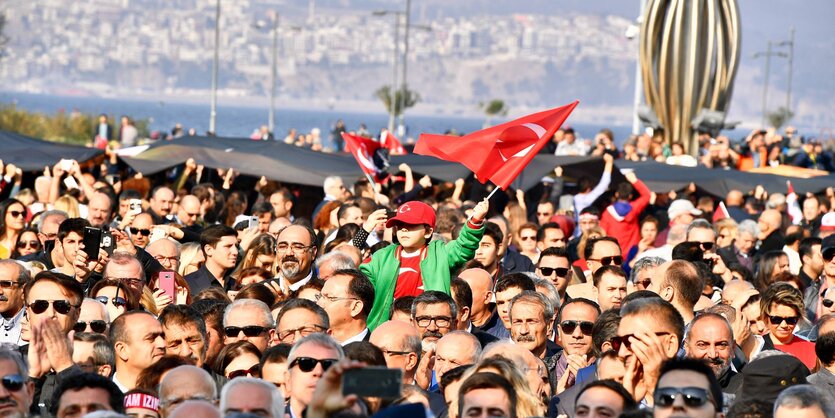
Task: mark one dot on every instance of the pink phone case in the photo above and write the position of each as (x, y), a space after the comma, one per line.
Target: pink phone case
(166, 283)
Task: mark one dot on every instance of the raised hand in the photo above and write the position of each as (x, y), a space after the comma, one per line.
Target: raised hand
(480, 210)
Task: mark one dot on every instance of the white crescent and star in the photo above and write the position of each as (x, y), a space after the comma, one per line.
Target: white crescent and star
(362, 156)
(538, 130)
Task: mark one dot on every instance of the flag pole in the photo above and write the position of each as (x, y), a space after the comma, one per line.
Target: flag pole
(469, 218)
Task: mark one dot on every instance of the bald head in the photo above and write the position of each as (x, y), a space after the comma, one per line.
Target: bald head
(734, 198)
(277, 224)
(734, 288)
(770, 221)
(402, 337)
(456, 348)
(166, 252)
(99, 209)
(189, 210)
(395, 331)
(186, 382)
(191, 409)
(481, 284)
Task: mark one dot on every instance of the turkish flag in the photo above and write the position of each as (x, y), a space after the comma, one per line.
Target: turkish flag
(363, 150)
(721, 212)
(501, 152)
(392, 144)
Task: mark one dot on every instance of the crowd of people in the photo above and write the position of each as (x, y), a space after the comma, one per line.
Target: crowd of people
(197, 294)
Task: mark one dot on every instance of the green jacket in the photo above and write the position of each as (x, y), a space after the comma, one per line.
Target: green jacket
(441, 259)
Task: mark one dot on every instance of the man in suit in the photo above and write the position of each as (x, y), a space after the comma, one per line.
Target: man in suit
(463, 297)
(347, 297)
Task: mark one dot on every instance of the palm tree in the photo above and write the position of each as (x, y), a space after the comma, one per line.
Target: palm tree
(384, 94)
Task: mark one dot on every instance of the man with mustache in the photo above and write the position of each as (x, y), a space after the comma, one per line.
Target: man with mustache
(531, 318)
(710, 338)
(16, 392)
(434, 314)
(12, 279)
(295, 248)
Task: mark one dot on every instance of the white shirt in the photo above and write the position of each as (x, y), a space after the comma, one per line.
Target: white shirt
(355, 338)
(119, 384)
(10, 333)
(285, 285)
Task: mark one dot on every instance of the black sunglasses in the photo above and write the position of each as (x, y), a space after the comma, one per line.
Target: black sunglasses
(827, 303)
(693, 397)
(548, 271)
(828, 254)
(307, 364)
(118, 301)
(13, 382)
(137, 231)
(30, 244)
(606, 261)
(16, 213)
(623, 340)
(568, 327)
(249, 331)
(252, 371)
(40, 306)
(98, 326)
(706, 246)
(777, 320)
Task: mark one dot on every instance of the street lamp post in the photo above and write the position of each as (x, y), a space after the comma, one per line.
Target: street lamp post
(273, 75)
(767, 54)
(215, 63)
(790, 44)
(393, 89)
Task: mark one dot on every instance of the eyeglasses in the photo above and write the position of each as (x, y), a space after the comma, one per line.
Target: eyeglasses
(440, 321)
(307, 364)
(98, 326)
(619, 340)
(16, 213)
(568, 327)
(331, 299)
(395, 353)
(828, 254)
(255, 371)
(61, 306)
(131, 281)
(827, 303)
(693, 397)
(643, 282)
(544, 214)
(137, 231)
(303, 331)
(172, 259)
(530, 238)
(29, 244)
(13, 382)
(117, 301)
(706, 246)
(283, 247)
(249, 331)
(548, 271)
(616, 260)
(777, 320)
(5, 284)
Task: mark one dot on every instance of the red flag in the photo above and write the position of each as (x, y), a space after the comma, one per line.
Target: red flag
(363, 151)
(499, 153)
(392, 144)
(721, 212)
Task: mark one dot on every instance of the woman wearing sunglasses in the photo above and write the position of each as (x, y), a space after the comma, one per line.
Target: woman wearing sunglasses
(116, 296)
(239, 359)
(12, 222)
(782, 308)
(27, 243)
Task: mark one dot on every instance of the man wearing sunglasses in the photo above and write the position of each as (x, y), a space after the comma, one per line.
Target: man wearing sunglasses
(687, 388)
(554, 265)
(575, 321)
(93, 318)
(603, 251)
(140, 230)
(650, 332)
(248, 320)
(309, 358)
(16, 392)
(51, 255)
(13, 277)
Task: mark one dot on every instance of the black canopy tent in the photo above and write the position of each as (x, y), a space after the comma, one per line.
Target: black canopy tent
(32, 154)
(291, 164)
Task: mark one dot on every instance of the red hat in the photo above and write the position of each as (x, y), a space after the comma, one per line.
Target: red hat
(413, 213)
(828, 222)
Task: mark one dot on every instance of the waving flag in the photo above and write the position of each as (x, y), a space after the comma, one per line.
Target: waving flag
(371, 156)
(501, 152)
(721, 212)
(391, 143)
(795, 213)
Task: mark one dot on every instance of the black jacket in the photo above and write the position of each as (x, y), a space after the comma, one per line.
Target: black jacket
(45, 386)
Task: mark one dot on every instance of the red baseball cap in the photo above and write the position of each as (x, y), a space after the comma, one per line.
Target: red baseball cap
(413, 213)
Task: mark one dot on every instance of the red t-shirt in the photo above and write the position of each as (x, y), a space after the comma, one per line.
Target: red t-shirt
(800, 348)
(409, 281)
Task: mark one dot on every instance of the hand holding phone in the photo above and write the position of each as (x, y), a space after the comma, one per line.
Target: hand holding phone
(92, 242)
(167, 284)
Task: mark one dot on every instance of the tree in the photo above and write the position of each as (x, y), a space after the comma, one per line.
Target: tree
(493, 108)
(779, 117)
(3, 38)
(384, 94)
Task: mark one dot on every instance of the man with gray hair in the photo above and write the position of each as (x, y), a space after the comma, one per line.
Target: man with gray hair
(93, 353)
(248, 320)
(330, 262)
(334, 190)
(456, 348)
(676, 235)
(185, 383)
(309, 358)
(13, 276)
(531, 316)
(51, 256)
(18, 389)
(643, 270)
(743, 249)
(803, 401)
(247, 395)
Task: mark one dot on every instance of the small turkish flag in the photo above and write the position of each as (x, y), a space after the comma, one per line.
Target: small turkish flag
(721, 212)
(364, 151)
(499, 153)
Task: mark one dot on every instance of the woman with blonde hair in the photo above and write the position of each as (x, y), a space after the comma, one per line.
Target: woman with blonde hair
(67, 204)
(726, 230)
(259, 253)
(191, 258)
(516, 216)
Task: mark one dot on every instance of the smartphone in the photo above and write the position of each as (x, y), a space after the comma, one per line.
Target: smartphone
(66, 165)
(70, 183)
(253, 222)
(156, 235)
(167, 284)
(108, 244)
(92, 242)
(135, 206)
(373, 382)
